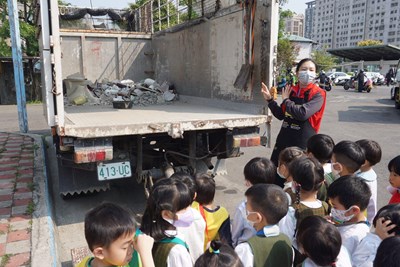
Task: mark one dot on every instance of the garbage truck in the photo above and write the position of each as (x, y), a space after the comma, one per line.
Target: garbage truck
(196, 61)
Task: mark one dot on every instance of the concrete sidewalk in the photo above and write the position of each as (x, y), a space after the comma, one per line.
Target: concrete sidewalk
(21, 202)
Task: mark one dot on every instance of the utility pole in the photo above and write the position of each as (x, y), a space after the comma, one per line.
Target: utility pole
(18, 67)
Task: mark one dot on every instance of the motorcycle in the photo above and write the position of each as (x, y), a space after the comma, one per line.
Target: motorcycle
(353, 83)
(326, 84)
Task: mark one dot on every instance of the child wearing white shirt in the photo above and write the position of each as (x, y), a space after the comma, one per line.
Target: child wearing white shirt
(373, 155)
(387, 224)
(257, 171)
(349, 197)
(322, 243)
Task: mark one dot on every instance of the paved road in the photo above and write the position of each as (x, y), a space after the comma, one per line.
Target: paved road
(349, 116)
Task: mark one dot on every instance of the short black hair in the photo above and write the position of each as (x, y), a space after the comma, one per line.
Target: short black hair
(106, 223)
(205, 185)
(167, 194)
(394, 165)
(320, 240)
(321, 146)
(269, 200)
(387, 253)
(260, 170)
(220, 255)
(350, 190)
(308, 173)
(304, 60)
(349, 154)
(291, 153)
(187, 179)
(372, 150)
(390, 212)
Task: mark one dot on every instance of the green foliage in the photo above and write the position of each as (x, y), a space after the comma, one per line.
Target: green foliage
(283, 14)
(287, 53)
(27, 29)
(369, 42)
(323, 59)
(173, 13)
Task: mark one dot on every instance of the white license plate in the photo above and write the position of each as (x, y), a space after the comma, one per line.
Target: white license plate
(108, 171)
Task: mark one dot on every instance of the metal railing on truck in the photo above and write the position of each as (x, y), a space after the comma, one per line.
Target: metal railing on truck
(149, 17)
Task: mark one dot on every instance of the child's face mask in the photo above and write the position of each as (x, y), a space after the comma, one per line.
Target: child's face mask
(184, 219)
(339, 216)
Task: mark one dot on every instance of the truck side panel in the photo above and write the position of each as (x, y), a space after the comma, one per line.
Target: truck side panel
(99, 56)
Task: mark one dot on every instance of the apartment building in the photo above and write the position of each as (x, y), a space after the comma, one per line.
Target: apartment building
(343, 23)
(295, 25)
(308, 20)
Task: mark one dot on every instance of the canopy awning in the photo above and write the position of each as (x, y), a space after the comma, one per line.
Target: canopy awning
(368, 53)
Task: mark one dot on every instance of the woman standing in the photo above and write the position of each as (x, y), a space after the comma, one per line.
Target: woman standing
(301, 110)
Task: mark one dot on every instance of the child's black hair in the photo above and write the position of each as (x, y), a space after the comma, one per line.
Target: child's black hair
(260, 171)
(349, 154)
(350, 190)
(269, 200)
(320, 240)
(167, 194)
(287, 155)
(372, 150)
(390, 212)
(186, 179)
(321, 146)
(219, 255)
(308, 174)
(205, 185)
(394, 165)
(387, 253)
(106, 223)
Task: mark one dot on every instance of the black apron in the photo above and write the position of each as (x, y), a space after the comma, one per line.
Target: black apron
(293, 133)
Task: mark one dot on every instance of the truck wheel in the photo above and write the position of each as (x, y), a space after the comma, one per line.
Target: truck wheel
(397, 98)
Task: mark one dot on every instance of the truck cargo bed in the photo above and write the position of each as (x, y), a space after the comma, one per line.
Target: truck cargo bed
(100, 121)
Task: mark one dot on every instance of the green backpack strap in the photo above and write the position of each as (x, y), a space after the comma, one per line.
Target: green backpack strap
(175, 240)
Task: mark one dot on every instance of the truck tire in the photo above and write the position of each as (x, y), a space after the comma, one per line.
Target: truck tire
(397, 97)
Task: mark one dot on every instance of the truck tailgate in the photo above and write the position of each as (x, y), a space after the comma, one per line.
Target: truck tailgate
(100, 121)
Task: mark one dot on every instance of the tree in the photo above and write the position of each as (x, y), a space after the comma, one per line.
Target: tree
(369, 42)
(323, 59)
(27, 29)
(287, 51)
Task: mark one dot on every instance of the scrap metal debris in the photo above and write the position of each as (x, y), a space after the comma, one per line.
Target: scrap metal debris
(120, 94)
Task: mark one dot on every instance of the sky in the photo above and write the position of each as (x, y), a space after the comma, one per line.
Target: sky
(297, 6)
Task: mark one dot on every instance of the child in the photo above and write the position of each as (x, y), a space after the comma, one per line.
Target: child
(373, 155)
(349, 197)
(347, 158)
(195, 242)
(321, 242)
(320, 146)
(286, 156)
(388, 253)
(219, 255)
(257, 171)
(110, 234)
(168, 207)
(218, 226)
(266, 204)
(386, 224)
(394, 180)
(308, 176)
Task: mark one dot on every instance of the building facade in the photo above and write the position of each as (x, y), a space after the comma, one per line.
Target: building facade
(343, 23)
(295, 25)
(308, 20)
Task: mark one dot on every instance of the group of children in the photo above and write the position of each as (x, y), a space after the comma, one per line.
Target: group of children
(314, 209)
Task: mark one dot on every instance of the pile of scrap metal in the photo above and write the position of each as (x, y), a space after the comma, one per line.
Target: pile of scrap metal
(120, 94)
